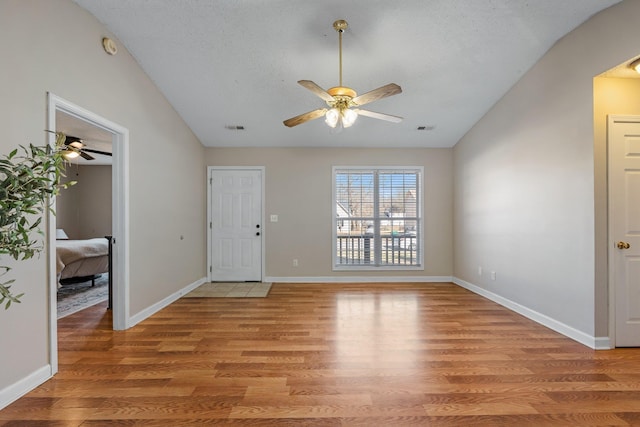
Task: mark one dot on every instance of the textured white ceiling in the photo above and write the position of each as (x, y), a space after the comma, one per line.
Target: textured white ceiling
(228, 63)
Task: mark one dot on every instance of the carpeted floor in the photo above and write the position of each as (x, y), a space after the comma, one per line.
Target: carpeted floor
(230, 290)
(78, 296)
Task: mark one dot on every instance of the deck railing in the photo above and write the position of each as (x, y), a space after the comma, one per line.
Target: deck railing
(361, 250)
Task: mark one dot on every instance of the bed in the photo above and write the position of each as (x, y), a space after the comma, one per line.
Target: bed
(81, 260)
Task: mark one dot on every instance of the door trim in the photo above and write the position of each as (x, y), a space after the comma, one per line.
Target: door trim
(210, 170)
(120, 219)
(611, 120)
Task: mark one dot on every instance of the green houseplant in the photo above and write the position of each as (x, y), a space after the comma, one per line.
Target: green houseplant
(29, 179)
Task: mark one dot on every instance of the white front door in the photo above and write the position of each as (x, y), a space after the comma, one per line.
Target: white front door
(624, 226)
(235, 224)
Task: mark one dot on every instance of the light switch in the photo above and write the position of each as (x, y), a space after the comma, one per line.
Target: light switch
(274, 218)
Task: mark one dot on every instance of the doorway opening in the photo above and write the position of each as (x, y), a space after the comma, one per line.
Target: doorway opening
(118, 136)
(616, 106)
(84, 219)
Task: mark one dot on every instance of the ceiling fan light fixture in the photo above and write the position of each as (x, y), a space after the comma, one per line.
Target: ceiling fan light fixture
(635, 65)
(70, 154)
(348, 117)
(344, 117)
(331, 117)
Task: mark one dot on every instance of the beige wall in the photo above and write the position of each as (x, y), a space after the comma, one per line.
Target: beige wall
(53, 45)
(84, 210)
(524, 181)
(298, 189)
(67, 214)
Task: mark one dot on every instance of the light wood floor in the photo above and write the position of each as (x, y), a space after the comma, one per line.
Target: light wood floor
(331, 355)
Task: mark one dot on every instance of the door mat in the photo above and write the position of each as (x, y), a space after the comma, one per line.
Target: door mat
(230, 290)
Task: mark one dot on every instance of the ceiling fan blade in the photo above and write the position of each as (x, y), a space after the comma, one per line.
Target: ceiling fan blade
(85, 155)
(91, 150)
(74, 142)
(376, 94)
(316, 89)
(381, 116)
(311, 115)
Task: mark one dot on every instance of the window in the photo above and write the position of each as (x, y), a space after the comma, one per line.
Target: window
(377, 218)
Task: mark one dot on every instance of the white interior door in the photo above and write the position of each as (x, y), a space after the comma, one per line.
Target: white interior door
(236, 224)
(624, 228)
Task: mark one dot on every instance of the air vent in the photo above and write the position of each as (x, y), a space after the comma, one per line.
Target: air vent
(234, 127)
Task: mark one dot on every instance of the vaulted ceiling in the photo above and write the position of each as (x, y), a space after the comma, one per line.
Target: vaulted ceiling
(229, 64)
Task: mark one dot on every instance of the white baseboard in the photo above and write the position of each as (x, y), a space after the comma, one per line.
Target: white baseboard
(603, 343)
(15, 391)
(562, 328)
(358, 279)
(151, 310)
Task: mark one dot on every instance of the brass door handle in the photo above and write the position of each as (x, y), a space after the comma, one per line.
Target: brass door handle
(623, 245)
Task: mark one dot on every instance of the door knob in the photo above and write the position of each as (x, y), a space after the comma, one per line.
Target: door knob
(623, 245)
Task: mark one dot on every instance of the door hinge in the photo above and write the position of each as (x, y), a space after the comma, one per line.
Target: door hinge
(210, 224)
(210, 181)
(210, 269)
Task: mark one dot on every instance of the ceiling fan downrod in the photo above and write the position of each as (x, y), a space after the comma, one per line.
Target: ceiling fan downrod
(340, 92)
(340, 25)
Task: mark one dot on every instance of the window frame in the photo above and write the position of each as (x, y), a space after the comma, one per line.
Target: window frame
(419, 215)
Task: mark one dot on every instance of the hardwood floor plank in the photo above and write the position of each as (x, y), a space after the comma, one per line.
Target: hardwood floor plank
(374, 354)
(502, 408)
(324, 411)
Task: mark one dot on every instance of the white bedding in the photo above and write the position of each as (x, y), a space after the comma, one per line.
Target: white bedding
(77, 258)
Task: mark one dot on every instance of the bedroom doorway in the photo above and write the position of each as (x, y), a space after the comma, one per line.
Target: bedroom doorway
(84, 219)
(66, 116)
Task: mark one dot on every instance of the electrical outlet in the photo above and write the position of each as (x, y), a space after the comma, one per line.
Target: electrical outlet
(274, 218)
(493, 275)
(479, 271)
(295, 262)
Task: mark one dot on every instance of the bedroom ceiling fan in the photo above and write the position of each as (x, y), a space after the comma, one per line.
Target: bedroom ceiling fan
(76, 147)
(341, 99)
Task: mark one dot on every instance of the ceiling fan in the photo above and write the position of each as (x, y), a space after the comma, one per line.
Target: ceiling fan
(341, 99)
(75, 147)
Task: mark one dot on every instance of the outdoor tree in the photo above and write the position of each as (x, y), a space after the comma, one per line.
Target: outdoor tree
(354, 190)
